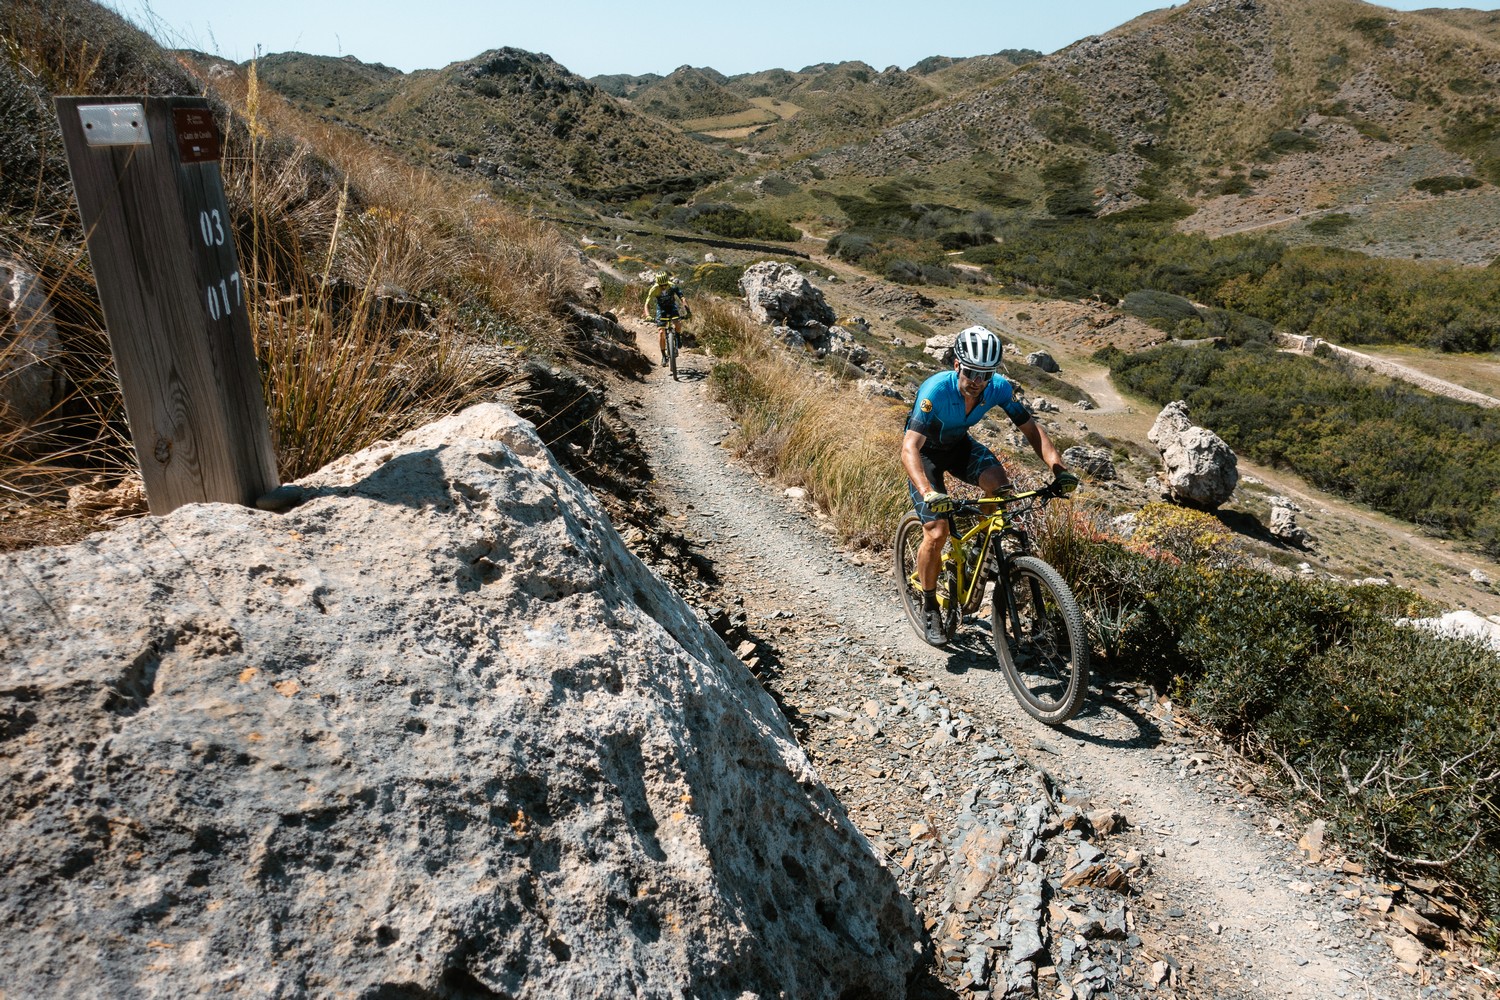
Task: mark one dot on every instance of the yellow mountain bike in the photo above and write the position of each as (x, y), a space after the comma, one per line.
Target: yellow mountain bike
(1038, 630)
(673, 327)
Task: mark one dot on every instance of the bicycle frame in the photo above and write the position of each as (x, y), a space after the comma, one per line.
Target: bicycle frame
(991, 528)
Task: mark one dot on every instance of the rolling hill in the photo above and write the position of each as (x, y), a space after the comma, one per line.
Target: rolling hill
(1257, 113)
(514, 116)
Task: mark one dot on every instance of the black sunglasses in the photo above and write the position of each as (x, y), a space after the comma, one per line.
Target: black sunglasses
(974, 374)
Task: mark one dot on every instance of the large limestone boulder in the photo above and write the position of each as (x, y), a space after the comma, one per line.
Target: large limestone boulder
(30, 384)
(432, 733)
(780, 294)
(1200, 470)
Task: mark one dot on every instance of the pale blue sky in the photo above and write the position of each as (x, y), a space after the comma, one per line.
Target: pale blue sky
(591, 37)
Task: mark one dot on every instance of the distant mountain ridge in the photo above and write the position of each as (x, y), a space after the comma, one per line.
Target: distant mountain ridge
(515, 116)
(1252, 113)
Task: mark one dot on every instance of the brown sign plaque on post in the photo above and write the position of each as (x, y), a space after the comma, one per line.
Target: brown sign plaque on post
(146, 174)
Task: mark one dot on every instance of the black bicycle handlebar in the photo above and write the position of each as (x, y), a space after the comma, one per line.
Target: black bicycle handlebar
(976, 508)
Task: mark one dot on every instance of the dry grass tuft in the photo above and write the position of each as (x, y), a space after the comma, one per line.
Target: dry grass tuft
(807, 428)
(330, 231)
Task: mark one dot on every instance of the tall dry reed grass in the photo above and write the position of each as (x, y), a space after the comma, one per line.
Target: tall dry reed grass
(329, 231)
(807, 428)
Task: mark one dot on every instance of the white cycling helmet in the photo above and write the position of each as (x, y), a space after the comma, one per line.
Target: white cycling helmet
(977, 347)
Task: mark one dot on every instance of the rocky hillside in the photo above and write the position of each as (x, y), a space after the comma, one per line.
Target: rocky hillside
(514, 116)
(1255, 111)
(623, 84)
(686, 94)
(839, 102)
(950, 75)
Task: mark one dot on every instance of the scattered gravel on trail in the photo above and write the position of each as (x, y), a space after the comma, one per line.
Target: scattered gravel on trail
(1117, 857)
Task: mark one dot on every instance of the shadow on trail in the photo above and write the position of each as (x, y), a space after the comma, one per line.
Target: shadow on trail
(972, 649)
(689, 374)
(1147, 734)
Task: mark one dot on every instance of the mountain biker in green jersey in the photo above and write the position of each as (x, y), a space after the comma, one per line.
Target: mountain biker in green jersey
(665, 304)
(937, 442)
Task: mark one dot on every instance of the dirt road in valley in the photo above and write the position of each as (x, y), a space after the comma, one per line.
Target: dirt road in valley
(1128, 844)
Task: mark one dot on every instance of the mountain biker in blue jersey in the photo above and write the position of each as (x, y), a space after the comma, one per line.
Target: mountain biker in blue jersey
(664, 304)
(937, 442)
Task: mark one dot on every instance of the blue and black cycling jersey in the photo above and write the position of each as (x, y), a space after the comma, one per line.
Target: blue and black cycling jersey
(666, 301)
(941, 414)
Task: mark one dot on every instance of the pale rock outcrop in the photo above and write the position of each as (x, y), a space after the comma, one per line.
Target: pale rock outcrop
(779, 294)
(1199, 468)
(1042, 360)
(875, 387)
(30, 384)
(433, 733)
(1461, 624)
(941, 348)
(1283, 522)
(1097, 462)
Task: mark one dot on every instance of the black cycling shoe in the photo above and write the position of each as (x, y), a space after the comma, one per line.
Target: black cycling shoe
(933, 620)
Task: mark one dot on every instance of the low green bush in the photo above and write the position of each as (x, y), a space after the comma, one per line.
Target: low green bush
(851, 247)
(1385, 730)
(1447, 182)
(915, 327)
(733, 222)
(715, 278)
(1284, 141)
(1159, 308)
(1328, 225)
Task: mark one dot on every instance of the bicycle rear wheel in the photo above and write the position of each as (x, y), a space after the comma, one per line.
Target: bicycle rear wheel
(908, 541)
(1041, 641)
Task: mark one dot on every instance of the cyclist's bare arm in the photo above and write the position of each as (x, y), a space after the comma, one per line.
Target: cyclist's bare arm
(1042, 445)
(911, 461)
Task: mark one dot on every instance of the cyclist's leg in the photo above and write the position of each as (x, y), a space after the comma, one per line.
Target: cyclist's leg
(984, 470)
(934, 530)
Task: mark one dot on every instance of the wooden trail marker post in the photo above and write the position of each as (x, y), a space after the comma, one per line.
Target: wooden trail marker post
(146, 174)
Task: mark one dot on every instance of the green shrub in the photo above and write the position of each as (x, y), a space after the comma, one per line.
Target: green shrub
(1242, 632)
(734, 222)
(851, 247)
(1159, 308)
(904, 272)
(1235, 328)
(1394, 725)
(1284, 141)
(1388, 729)
(1235, 184)
(1328, 225)
(1447, 182)
(717, 278)
(916, 327)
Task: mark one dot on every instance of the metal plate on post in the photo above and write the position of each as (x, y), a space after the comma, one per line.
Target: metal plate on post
(114, 124)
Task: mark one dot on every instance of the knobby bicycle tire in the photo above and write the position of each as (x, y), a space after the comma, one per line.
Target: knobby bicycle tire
(1040, 640)
(672, 351)
(908, 540)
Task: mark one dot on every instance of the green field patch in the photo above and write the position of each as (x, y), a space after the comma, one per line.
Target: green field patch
(740, 119)
(779, 108)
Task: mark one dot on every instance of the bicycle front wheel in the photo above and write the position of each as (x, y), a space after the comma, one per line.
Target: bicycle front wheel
(908, 541)
(1040, 640)
(672, 337)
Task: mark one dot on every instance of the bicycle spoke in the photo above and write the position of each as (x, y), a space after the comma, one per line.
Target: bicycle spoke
(1040, 641)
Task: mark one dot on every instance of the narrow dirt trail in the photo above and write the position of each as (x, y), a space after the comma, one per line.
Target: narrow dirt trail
(1224, 904)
